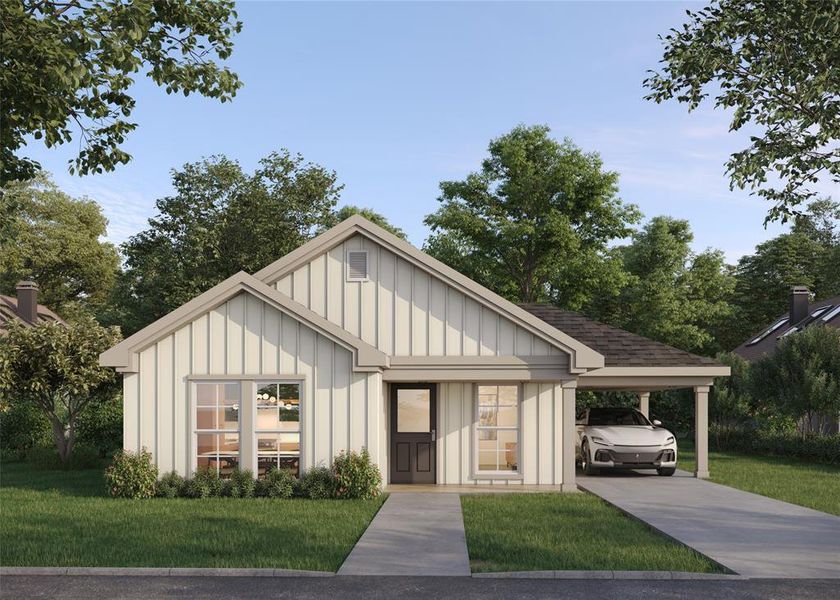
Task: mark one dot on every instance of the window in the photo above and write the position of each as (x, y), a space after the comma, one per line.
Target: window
(767, 332)
(497, 428)
(217, 426)
(827, 317)
(277, 426)
(357, 265)
(414, 411)
(615, 416)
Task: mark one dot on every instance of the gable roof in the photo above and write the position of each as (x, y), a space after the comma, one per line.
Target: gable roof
(582, 357)
(9, 313)
(620, 348)
(770, 334)
(123, 356)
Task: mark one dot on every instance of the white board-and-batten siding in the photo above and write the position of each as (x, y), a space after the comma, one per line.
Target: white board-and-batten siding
(540, 435)
(403, 310)
(340, 409)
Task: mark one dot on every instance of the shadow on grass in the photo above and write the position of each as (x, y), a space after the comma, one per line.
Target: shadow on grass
(82, 483)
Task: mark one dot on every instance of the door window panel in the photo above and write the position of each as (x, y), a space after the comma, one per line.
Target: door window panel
(413, 411)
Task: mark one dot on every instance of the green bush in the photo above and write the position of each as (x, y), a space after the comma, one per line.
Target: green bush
(46, 458)
(812, 447)
(100, 425)
(277, 483)
(23, 426)
(240, 485)
(171, 485)
(318, 483)
(356, 475)
(132, 475)
(206, 483)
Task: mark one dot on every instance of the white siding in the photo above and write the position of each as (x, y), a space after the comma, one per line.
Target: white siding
(340, 409)
(402, 310)
(540, 435)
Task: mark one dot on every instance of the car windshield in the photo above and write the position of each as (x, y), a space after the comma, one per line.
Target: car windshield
(616, 416)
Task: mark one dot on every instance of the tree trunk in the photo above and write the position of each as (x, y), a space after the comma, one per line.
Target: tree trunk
(64, 438)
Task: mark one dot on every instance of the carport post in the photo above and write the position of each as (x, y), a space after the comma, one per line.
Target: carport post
(701, 431)
(644, 403)
(569, 436)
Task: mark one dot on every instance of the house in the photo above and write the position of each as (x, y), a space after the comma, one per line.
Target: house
(357, 339)
(801, 314)
(24, 308)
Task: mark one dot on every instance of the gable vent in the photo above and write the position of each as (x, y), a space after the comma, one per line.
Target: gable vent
(357, 265)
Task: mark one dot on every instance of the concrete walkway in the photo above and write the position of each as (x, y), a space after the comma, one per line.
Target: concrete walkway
(752, 535)
(413, 534)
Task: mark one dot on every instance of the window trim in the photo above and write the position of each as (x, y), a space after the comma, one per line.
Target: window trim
(255, 431)
(347, 266)
(194, 431)
(477, 472)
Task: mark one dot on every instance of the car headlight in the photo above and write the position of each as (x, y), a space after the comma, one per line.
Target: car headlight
(669, 440)
(600, 440)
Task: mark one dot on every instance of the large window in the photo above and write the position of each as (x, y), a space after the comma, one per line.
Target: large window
(498, 428)
(217, 416)
(277, 428)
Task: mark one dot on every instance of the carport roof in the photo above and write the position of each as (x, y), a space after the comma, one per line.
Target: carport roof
(620, 348)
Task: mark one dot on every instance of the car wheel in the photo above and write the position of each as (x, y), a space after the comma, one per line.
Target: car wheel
(585, 462)
(666, 472)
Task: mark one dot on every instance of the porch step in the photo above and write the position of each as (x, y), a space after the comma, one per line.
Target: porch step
(413, 534)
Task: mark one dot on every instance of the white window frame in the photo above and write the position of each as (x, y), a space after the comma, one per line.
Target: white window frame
(347, 266)
(256, 383)
(477, 472)
(194, 431)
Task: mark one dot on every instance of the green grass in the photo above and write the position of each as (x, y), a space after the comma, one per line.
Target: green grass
(63, 518)
(798, 482)
(536, 532)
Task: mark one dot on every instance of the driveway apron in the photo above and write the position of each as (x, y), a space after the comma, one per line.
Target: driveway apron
(752, 535)
(413, 534)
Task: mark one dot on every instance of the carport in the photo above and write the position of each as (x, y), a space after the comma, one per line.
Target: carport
(640, 365)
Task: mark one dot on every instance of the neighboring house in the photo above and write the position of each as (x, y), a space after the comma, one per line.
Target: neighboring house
(357, 339)
(24, 309)
(801, 314)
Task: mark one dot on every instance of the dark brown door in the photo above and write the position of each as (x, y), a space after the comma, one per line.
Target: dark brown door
(413, 432)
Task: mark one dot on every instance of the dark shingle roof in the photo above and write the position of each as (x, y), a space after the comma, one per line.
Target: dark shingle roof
(9, 312)
(768, 344)
(619, 347)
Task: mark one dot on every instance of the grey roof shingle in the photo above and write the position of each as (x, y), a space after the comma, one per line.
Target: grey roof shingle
(620, 348)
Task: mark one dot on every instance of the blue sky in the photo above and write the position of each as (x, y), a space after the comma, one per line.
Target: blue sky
(396, 97)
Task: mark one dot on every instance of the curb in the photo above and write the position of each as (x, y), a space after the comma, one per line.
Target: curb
(161, 572)
(625, 575)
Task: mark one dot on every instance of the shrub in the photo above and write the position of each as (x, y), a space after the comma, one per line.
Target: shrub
(240, 485)
(812, 447)
(318, 483)
(206, 483)
(132, 475)
(24, 426)
(46, 458)
(277, 483)
(100, 424)
(356, 476)
(171, 485)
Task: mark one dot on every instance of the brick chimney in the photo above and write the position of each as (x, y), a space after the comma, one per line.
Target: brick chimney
(27, 301)
(799, 298)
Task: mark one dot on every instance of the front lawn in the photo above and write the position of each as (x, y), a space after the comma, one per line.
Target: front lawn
(63, 518)
(536, 532)
(798, 482)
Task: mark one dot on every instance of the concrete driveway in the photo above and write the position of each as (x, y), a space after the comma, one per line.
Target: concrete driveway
(752, 535)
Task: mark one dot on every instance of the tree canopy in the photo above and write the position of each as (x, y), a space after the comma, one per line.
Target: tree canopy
(534, 223)
(347, 211)
(219, 221)
(774, 65)
(66, 68)
(57, 241)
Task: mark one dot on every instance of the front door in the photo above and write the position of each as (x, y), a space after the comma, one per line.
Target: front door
(413, 432)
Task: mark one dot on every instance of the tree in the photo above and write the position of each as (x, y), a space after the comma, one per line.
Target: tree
(347, 211)
(673, 295)
(57, 241)
(534, 223)
(807, 255)
(219, 221)
(56, 369)
(68, 65)
(801, 378)
(775, 65)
